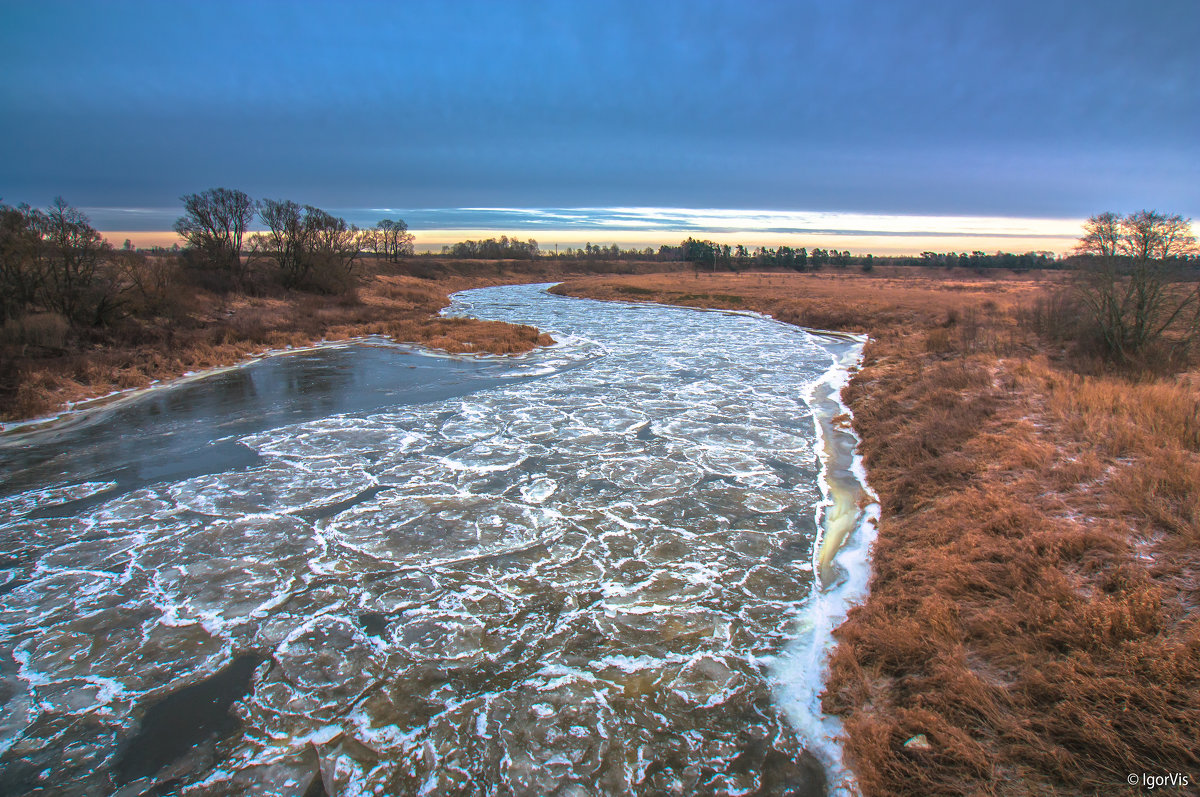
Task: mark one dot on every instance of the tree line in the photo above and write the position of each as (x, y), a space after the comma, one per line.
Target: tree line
(738, 257)
(689, 251)
(53, 262)
(504, 248)
(309, 247)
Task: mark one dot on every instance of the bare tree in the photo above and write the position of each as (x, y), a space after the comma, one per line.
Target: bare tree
(1128, 284)
(214, 223)
(372, 241)
(335, 246)
(395, 241)
(310, 246)
(78, 279)
(22, 258)
(55, 261)
(284, 238)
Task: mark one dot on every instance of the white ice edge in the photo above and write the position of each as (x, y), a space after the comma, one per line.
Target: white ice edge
(803, 668)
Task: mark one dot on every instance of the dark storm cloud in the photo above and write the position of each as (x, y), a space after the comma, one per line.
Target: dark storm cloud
(1039, 108)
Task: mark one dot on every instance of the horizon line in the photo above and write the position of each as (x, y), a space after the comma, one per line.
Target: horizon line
(638, 227)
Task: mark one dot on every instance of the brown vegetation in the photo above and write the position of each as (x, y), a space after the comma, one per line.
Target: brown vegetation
(888, 297)
(1034, 607)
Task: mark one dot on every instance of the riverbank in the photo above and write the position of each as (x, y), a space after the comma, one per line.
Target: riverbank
(46, 369)
(1033, 607)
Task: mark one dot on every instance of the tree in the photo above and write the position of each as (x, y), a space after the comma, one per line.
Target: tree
(311, 247)
(214, 223)
(702, 252)
(77, 281)
(395, 241)
(22, 258)
(284, 238)
(740, 255)
(1127, 283)
(503, 249)
(55, 261)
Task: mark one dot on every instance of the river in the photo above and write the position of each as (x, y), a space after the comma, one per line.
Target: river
(367, 569)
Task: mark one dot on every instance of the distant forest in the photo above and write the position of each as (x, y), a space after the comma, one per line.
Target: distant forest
(726, 257)
(733, 258)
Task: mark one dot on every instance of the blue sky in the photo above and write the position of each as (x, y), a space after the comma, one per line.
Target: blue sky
(1030, 109)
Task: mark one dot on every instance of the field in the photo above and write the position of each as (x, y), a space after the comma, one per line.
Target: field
(1034, 601)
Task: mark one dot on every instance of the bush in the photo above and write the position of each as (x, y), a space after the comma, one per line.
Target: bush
(39, 329)
(1130, 288)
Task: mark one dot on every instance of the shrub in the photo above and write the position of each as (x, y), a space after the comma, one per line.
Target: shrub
(39, 329)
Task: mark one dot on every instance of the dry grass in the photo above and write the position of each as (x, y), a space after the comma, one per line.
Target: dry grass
(465, 335)
(1035, 601)
(848, 301)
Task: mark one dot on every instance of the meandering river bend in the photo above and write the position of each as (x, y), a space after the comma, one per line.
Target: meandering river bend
(368, 570)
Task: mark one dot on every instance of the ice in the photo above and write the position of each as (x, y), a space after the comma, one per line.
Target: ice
(569, 582)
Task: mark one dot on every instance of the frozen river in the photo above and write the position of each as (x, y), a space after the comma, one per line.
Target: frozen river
(369, 570)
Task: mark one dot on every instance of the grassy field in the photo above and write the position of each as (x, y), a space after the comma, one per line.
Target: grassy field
(1036, 585)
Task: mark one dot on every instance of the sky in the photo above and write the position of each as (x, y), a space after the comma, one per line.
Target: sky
(866, 115)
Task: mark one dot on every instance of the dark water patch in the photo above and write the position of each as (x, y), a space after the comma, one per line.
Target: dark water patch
(186, 718)
(26, 769)
(21, 776)
(9, 586)
(13, 571)
(644, 433)
(316, 788)
(803, 777)
(374, 623)
(718, 478)
(499, 483)
(791, 473)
